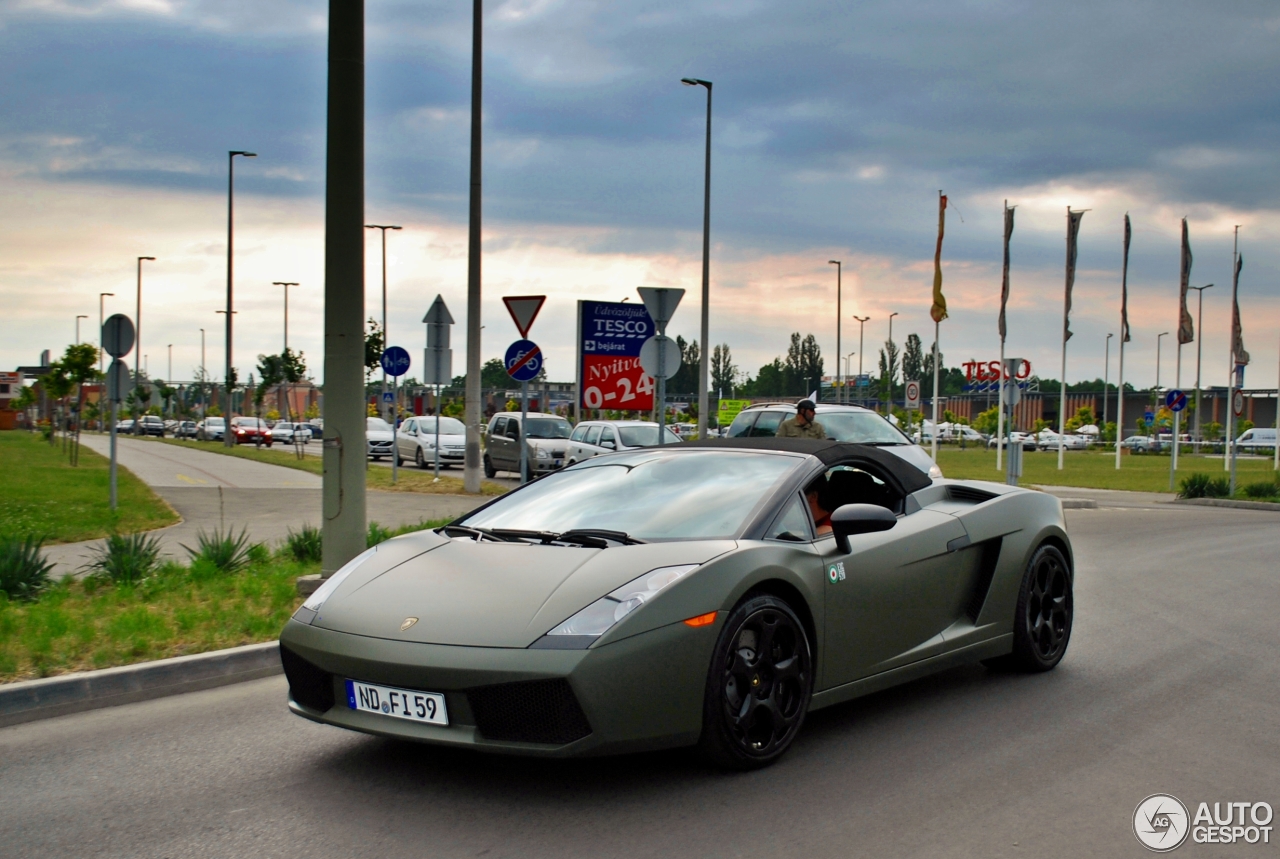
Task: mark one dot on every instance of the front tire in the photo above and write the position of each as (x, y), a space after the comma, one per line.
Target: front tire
(417, 458)
(1046, 607)
(758, 685)
(489, 471)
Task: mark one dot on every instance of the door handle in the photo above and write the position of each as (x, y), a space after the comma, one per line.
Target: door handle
(958, 543)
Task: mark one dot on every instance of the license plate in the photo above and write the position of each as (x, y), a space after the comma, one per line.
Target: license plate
(401, 703)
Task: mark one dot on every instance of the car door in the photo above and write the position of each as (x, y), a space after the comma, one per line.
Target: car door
(892, 595)
(511, 451)
(608, 439)
(591, 442)
(497, 441)
(407, 439)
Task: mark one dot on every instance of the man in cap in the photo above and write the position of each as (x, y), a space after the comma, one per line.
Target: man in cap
(802, 425)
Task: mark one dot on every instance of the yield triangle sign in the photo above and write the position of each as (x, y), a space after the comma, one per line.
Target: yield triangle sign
(524, 309)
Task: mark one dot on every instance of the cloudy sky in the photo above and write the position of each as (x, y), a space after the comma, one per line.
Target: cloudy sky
(835, 126)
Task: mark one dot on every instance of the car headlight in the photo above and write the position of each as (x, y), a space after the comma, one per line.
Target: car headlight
(543, 453)
(935, 473)
(596, 619)
(329, 585)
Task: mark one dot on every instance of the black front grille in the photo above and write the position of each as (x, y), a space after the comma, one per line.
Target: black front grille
(310, 686)
(537, 711)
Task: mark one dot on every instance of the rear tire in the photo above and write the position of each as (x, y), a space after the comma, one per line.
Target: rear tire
(758, 685)
(418, 460)
(489, 471)
(1043, 618)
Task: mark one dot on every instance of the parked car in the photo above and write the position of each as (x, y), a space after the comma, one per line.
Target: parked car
(287, 432)
(1048, 440)
(211, 429)
(1027, 440)
(316, 425)
(149, 425)
(416, 440)
(378, 438)
(547, 437)
(248, 430)
(1140, 444)
(1257, 439)
(125, 425)
(185, 429)
(592, 438)
(842, 423)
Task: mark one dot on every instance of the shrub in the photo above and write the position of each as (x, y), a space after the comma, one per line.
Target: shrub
(304, 545)
(23, 573)
(1262, 489)
(1194, 486)
(127, 558)
(378, 534)
(224, 550)
(1219, 487)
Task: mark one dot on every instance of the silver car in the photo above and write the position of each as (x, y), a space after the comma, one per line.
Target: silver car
(417, 438)
(592, 438)
(547, 437)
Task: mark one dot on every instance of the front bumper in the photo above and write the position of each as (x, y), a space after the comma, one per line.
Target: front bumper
(642, 692)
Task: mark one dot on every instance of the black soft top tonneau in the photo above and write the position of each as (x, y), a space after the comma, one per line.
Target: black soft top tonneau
(830, 453)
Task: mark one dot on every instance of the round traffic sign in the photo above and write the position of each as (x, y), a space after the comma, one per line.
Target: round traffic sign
(660, 350)
(1176, 400)
(912, 392)
(117, 335)
(395, 360)
(119, 380)
(1237, 403)
(523, 360)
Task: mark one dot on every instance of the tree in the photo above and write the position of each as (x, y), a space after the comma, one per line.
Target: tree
(771, 381)
(685, 380)
(987, 422)
(913, 359)
(810, 365)
(888, 368)
(723, 371)
(375, 343)
(270, 372)
(492, 375)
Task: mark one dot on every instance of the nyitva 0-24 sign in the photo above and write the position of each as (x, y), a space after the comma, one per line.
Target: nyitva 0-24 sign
(611, 334)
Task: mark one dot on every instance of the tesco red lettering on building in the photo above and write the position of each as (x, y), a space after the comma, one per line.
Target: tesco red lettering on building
(989, 371)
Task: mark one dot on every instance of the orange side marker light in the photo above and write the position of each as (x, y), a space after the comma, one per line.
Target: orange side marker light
(702, 619)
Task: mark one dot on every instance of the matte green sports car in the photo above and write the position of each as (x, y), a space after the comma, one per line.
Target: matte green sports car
(709, 593)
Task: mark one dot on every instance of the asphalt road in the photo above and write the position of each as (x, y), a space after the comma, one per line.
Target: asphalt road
(1170, 685)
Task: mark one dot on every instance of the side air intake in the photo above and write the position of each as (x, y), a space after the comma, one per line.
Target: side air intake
(986, 572)
(968, 493)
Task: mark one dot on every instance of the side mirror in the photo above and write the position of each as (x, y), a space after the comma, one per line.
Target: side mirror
(608, 445)
(853, 519)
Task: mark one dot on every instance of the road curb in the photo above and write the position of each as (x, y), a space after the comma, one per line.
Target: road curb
(1079, 503)
(29, 700)
(1228, 502)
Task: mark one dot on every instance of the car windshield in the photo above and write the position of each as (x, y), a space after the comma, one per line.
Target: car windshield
(547, 428)
(247, 422)
(648, 494)
(642, 436)
(860, 427)
(215, 422)
(378, 425)
(448, 426)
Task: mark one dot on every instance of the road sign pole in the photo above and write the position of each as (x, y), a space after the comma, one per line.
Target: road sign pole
(437, 480)
(395, 431)
(524, 432)
(115, 418)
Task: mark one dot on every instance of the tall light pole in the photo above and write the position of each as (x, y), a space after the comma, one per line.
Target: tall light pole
(169, 378)
(706, 270)
(228, 436)
(889, 367)
(385, 340)
(1199, 351)
(1106, 380)
(286, 285)
(862, 321)
(1158, 336)
(839, 290)
(226, 382)
(137, 320)
(79, 316)
(847, 374)
(471, 397)
(203, 373)
(102, 320)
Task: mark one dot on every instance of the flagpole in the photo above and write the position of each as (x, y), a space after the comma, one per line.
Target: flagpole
(1000, 418)
(1177, 417)
(1004, 298)
(935, 433)
(937, 312)
(1275, 465)
(1120, 405)
(1066, 308)
(1229, 448)
(1124, 338)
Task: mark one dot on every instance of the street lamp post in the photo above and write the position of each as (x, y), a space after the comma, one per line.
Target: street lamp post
(1199, 351)
(862, 321)
(847, 373)
(1158, 336)
(79, 316)
(385, 340)
(203, 373)
(228, 438)
(839, 289)
(286, 285)
(889, 366)
(1106, 381)
(137, 321)
(706, 269)
(102, 320)
(226, 382)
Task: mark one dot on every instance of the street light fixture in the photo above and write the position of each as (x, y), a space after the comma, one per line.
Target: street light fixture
(229, 438)
(706, 269)
(385, 340)
(79, 316)
(889, 365)
(862, 321)
(102, 320)
(839, 289)
(1199, 349)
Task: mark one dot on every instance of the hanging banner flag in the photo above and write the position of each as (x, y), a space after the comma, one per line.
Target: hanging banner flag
(1124, 284)
(939, 310)
(1073, 228)
(1237, 335)
(1186, 329)
(1004, 283)
(610, 336)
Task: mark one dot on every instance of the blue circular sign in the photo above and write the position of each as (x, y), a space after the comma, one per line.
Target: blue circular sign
(395, 361)
(523, 360)
(1176, 400)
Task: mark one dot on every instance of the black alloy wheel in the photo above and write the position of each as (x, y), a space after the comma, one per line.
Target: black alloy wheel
(1042, 623)
(759, 685)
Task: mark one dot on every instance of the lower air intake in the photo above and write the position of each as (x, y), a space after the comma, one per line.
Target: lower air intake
(310, 686)
(537, 711)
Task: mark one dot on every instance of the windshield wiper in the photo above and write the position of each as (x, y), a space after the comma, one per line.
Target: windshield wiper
(601, 534)
(478, 534)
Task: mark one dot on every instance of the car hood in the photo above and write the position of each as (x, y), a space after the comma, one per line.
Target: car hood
(445, 438)
(912, 453)
(487, 594)
(377, 435)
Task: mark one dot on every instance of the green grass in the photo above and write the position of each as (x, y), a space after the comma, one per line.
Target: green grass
(177, 610)
(1095, 470)
(44, 496)
(411, 478)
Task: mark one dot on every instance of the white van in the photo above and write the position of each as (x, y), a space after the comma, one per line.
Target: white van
(1258, 438)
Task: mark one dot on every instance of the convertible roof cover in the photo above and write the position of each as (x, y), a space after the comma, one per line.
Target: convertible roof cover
(830, 453)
